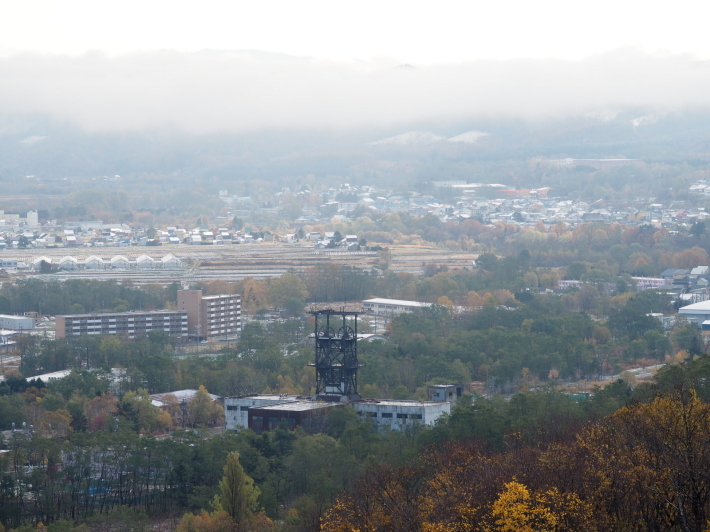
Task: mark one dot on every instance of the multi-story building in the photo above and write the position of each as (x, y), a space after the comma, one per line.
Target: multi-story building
(211, 316)
(129, 324)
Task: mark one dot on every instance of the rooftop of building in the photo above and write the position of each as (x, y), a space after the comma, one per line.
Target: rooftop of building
(162, 399)
(131, 313)
(695, 307)
(51, 376)
(296, 406)
(267, 397)
(394, 402)
(398, 302)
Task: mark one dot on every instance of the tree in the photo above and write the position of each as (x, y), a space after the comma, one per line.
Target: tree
(203, 410)
(288, 287)
(238, 494)
(218, 521)
(254, 294)
(487, 261)
(515, 509)
(576, 270)
(688, 338)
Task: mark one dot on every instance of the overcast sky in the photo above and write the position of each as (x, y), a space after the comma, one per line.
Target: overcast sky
(407, 31)
(136, 64)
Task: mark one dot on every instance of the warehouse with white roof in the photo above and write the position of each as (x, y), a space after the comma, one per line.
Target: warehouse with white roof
(391, 307)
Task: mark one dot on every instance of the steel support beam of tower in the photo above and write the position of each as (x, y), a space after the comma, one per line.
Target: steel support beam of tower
(336, 353)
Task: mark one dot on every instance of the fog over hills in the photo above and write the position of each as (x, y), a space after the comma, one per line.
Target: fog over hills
(254, 115)
(215, 91)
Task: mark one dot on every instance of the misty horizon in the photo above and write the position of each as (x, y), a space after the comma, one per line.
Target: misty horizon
(240, 91)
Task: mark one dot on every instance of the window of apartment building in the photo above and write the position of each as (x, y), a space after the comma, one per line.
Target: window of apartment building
(386, 414)
(402, 416)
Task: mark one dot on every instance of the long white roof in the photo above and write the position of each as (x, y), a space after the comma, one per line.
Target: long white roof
(398, 302)
(695, 307)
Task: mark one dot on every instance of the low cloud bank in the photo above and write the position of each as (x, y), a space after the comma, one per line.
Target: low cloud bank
(241, 91)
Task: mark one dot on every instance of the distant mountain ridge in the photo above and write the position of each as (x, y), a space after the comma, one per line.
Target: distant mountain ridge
(418, 138)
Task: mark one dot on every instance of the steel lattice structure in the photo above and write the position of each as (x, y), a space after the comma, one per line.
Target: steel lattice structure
(336, 353)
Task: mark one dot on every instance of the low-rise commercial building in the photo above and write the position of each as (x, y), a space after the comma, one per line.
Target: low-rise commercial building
(16, 323)
(268, 412)
(401, 415)
(390, 307)
(236, 408)
(445, 392)
(695, 313)
(129, 324)
(312, 416)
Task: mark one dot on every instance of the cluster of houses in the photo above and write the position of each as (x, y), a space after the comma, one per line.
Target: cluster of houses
(453, 201)
(489, 203)
(333, 240)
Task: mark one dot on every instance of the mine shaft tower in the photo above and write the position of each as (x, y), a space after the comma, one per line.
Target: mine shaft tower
(336, 353)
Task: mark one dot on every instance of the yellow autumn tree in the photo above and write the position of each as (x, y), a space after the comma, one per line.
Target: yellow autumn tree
(516, 510)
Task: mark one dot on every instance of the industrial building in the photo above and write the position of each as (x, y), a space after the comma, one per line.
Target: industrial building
(336, 366)
(401, 415)
(391, 307)
(312, 416)
(16, 323)
(445, 392)
(236, 408)
(696, 313)
(8, 343)
(129, 324)
(211, 316)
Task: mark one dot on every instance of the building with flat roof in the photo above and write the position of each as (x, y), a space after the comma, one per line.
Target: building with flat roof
(211, 316)
(129, 324)
(401, 415)
(8, 343)
(53, 376)
(16, 323)
(267, 412)
(696, 313)
(236, 408)
(312, 416)
(391, 307)
(445, 392)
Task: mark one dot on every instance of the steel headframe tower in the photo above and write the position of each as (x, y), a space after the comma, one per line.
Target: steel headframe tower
(336, 353)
